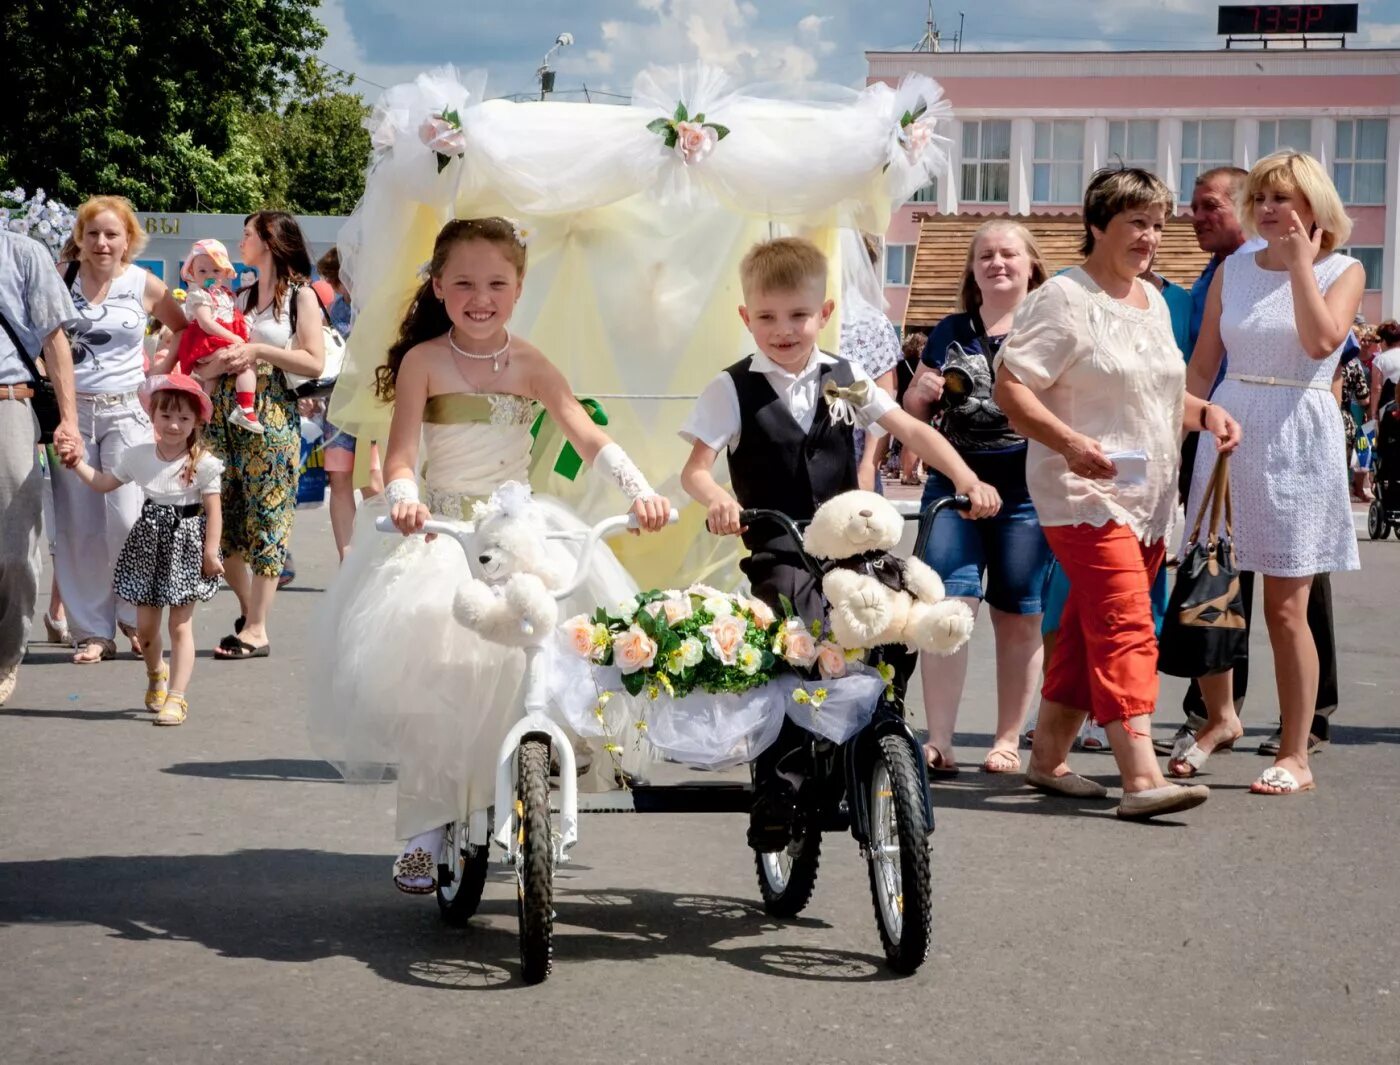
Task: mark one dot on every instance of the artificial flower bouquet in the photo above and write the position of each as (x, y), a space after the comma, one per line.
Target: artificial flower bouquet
(712, 675)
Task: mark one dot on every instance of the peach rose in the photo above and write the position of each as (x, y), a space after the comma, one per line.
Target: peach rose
(763, 615)
(442, 136)
(831, 660)
(677, 610)
(633, 650)
(726, 635)
(579, 632)
(799, 646)
(694, 142)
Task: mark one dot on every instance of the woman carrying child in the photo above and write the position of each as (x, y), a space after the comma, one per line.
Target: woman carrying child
(397, 680)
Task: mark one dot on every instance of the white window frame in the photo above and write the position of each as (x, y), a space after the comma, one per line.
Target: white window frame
(1196, 163)
(1146, 162)
(927, 194)
(1345, 161)
(1057, 167)
(906, 257)
(981, 163)
(1373, 283)
(1271, 127)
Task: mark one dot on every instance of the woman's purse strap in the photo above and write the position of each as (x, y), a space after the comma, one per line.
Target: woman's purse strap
(1215, 496)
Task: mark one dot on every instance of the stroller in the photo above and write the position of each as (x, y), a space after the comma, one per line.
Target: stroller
(1385, 475)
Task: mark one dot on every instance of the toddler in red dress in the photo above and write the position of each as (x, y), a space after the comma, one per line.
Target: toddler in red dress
(215, 323)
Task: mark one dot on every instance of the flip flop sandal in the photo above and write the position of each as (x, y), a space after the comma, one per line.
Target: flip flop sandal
(235, 649)
(1001, 760)
(108, 651)
(939, 764)
(156, 688)
(1279, 781)
(173, 712)
(238, 623)
(415, 873)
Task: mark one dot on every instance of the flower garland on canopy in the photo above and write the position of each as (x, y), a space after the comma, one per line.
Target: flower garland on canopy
(46, 220)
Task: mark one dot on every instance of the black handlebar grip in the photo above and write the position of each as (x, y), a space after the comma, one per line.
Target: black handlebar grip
(748, 517)
(960, 503)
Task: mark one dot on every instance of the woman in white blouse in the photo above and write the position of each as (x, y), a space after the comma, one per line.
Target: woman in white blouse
(114, 298)
(1092, 376)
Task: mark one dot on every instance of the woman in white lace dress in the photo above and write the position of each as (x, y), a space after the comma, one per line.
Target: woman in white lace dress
(1282, 314)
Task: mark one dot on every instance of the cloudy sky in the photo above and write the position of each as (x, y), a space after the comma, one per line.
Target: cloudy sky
(385, 41)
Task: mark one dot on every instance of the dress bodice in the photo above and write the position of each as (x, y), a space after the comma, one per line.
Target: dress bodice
(1258, 327)
(473, 442)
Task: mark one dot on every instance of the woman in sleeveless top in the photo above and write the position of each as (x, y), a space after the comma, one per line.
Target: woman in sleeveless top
(1282, 314)
(260, 472)
(114, 298)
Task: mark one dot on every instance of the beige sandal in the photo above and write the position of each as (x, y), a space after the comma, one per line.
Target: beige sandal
(173, 712)
(1001, 760)
(156, 688)
(93, 649)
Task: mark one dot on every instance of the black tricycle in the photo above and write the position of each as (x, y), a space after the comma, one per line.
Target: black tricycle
(875, 784)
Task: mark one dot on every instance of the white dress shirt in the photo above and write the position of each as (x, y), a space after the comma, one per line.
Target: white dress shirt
(715, 419)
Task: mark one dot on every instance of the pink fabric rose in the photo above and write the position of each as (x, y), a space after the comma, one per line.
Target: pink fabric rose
(677, 610)
(763, 615)
(799, 645)
(694, 142)
(584, 638)
(726, 635)
(831, 660)
(633, 650)
(442, 136)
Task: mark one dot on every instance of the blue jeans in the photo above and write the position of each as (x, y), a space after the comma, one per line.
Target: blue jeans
(1009, 550)
(1057, 590)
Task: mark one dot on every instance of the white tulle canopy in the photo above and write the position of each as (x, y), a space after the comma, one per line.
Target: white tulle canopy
(637, 218)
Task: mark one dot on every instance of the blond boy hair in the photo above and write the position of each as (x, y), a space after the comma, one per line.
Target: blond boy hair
(782, 265)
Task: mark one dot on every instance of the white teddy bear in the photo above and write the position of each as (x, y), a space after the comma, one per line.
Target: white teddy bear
(875, 597)
(513, 604)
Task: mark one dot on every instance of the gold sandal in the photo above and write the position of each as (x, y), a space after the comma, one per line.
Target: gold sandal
(156, 685)
(173, 712)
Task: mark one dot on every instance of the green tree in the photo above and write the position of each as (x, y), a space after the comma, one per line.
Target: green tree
(151, 99)
(315, 150)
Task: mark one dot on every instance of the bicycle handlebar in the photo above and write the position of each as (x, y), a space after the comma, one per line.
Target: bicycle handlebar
(462, 531)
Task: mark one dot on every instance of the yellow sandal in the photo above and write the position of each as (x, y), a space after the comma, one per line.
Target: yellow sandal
(156, 684)
(174, 712)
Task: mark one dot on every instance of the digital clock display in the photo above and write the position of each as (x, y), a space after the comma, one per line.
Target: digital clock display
(1289, 19)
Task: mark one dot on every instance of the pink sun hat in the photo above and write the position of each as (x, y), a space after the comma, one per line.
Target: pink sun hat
(175, 382)
(215, 250)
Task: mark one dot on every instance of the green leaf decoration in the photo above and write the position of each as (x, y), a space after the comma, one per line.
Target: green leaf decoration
(682, 114)
(442, 161)
(453, 117)
(671, 137)
(600, 616)
(634, 682)
(700, 118)
(906, 119)
(720, 131)
(786, 604)
(659, 125)
(919, 111)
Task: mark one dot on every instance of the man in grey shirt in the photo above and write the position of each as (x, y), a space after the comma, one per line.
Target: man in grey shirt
(36, 306)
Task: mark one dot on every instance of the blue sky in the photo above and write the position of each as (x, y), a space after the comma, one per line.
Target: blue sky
(386, 41)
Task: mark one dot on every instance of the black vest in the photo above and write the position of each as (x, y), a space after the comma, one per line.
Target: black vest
(777, 466)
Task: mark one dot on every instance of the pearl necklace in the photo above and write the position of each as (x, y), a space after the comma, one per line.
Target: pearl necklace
(494, 356)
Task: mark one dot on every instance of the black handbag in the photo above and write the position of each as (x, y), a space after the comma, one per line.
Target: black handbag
(1204, 628)
(45, 401)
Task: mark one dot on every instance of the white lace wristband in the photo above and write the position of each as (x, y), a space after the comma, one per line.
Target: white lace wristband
(401, 490)
(613, 461)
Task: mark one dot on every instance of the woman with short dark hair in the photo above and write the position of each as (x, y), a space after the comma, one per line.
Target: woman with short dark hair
(1092, 376)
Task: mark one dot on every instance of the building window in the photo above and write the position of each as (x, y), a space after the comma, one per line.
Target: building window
(899, 263)
(986, 161)
(1057, 170)
(927, 194)
(1204, 146)
(1134, 142)
(1359, 167)
(1276, 134)
(1372, 260)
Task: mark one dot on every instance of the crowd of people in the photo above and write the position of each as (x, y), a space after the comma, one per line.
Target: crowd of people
(1058, 404)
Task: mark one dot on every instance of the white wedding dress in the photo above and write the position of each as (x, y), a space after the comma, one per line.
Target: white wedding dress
(397, 685)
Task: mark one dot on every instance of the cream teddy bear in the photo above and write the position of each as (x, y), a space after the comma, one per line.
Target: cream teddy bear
(876, 598)
(512, 603)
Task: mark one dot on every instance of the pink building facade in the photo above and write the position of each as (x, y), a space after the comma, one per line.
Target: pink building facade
(1032, 126)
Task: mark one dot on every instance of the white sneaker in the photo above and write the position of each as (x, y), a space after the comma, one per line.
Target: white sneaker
(8, 679)
(1092, 737)
(238, 418)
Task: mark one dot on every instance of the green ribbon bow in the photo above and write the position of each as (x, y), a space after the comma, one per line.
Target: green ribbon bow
(569, 462)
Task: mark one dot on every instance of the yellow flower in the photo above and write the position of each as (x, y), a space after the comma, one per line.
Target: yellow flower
(653, 693)
(612, 748)
(886, 671)
(179, 294)
(666, 683)
(854, 654)
(604, 698)
(819, 696)
(800, 697)
(641, 726)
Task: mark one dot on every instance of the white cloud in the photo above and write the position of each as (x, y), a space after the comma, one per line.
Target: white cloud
(342, 49)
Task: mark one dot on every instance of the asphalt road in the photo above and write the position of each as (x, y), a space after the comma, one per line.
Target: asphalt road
(210, 894)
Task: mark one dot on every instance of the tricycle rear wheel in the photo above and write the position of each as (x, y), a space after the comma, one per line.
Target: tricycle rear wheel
(787, 878)
(900, 880)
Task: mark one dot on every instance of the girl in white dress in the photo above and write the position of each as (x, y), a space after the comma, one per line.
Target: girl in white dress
(1279, 317)
(397, 681)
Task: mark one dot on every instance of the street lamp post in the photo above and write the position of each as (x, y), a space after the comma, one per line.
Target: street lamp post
(545, 75)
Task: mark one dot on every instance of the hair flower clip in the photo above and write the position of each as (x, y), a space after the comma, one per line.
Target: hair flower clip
(523, 233)
(425, 270)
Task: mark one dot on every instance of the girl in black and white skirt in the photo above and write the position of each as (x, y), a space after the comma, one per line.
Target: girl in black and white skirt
(171, 556)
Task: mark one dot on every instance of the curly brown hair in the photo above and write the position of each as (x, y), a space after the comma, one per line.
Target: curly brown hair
(426, 316)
